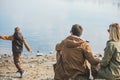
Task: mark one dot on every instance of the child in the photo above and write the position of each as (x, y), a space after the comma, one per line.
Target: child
(17, 47)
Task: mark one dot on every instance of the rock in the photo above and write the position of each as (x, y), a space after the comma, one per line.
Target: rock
(32, 66)
(6, 61)
(51, 52)
(2, 64)
(39, 54)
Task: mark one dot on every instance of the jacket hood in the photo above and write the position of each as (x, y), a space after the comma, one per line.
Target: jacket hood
(73, 41)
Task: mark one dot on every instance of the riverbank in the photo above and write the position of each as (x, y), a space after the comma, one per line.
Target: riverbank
(36, 68)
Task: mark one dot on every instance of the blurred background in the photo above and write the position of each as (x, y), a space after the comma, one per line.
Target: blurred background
(45, 23)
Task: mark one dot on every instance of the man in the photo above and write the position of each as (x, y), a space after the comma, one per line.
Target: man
(17, 47)
(72, 54)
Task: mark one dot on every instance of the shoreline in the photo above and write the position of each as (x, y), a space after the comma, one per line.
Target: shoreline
(36, 67)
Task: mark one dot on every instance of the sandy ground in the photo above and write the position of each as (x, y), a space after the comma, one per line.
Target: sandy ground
(36, 68)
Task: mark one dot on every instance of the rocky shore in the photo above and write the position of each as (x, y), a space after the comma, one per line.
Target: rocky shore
(36, 68)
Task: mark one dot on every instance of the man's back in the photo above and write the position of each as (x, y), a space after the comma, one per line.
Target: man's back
(73, 55)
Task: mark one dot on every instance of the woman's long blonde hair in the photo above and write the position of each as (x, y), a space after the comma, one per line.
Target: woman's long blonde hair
(114, 30)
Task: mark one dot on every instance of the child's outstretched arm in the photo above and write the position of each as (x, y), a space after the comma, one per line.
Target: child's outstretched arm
(5, 37)
(27, 45)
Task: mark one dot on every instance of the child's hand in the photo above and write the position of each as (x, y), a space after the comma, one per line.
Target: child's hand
(30, 50)
(98, 56)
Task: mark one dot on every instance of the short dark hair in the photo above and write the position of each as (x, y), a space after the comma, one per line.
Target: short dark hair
(76, 30)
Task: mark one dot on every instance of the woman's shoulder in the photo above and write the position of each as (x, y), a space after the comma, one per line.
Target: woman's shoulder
(113, 43)
(109, 42)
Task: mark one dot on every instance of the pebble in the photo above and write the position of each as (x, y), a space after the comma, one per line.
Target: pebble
(2, 64)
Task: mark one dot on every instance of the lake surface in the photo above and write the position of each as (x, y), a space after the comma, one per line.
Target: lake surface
(44, 23)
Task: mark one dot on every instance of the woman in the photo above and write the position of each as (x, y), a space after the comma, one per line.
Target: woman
(17, 47)
(72, 54)
(110, 63)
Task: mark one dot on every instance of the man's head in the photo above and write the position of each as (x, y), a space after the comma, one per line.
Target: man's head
(76, 30)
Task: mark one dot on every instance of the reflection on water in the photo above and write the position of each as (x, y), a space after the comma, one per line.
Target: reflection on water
(45, 23)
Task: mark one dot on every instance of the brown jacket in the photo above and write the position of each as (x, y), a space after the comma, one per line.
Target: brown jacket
(12, 38)
(71, 56)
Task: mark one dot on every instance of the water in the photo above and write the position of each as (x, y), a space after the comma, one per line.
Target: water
(46, 22)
